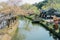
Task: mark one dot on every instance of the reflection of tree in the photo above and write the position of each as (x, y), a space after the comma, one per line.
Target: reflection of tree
(26, 26)
(18, 36)
(54, 37)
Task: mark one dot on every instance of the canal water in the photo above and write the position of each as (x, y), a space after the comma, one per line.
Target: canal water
(29, 31)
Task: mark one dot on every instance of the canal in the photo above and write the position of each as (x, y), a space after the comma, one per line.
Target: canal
(29, 31)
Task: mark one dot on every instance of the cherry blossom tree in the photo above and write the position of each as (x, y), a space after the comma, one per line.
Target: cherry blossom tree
(14, 2)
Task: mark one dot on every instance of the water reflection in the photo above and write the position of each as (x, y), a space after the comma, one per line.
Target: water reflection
(18, 36)
(29, 31)
(54, 37)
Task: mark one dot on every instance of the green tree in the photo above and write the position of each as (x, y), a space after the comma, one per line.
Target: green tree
(30, 8)
(40, 4)
(26, 6)
(35, 9)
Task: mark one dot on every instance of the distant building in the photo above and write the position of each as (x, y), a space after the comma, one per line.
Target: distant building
(49, 13)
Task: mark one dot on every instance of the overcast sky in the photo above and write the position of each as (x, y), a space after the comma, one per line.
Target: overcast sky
(25, 1)
(31, 1)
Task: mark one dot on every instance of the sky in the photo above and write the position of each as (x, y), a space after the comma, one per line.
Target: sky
(3, 0)
(31, 1)
(25, 1)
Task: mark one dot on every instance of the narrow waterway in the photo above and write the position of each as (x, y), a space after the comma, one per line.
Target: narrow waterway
(29, 31)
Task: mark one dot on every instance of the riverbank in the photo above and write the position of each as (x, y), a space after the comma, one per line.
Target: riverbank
(49, 27)
(46, 25)
(8, 33)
